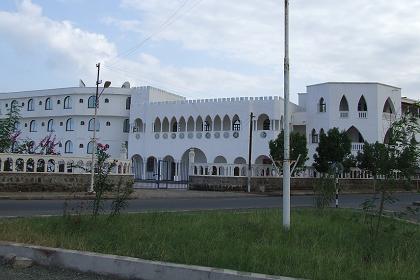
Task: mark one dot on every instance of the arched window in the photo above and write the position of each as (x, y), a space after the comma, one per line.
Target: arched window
(69, 125)
(314, 136)
(389, 107)
(157, 126)
(106, 100)
(362, 105)
(128, 103)
(126, 126)
(91, 124)
(236, 123)
(322, 105)
(199, 124)
(226, 123)
(67, 102)
(13, 104)
(344, 105)
(90, 147)
(217, 126)
(50, 125)
(165, 125)
(48, 104)
(208, 124)
(190, 124)
(174, 125)
(31, 105)
(68, 147)
(32, 126)
(91, 102)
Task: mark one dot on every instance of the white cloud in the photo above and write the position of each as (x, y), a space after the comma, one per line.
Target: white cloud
(69, 48)
(330, 40)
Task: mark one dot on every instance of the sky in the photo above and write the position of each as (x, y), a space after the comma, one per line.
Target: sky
(208, 48)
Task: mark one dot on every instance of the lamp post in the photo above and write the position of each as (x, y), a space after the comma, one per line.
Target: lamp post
(97, 95)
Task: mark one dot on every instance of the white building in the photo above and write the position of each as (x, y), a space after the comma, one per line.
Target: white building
(165, 132)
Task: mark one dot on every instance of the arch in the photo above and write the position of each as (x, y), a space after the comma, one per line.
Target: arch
(236, 171)
(30, 165)
(239, 160)
(31, 106)
(91, 101)
(322, 105)
(157, 126)
(50, 125)
(70, 125)
(70, 166)
(51, 165)
(174, 125)
(13, 104)
(93, 122)
(20, 163)
(182, 125)
(48, 104)
(68, 147)
(67, 102)
(322, 131)
(199, 124)
(8, 165)
(263, 159)
(263, 122)
(190, 124)
(126, 126)
(354, 135)
(389, 106)
(236, 123)
(220, 159)
(32, 126)
(208, 124)
(165, 125)
(138, 125)
(226, 123)
(199, 157)
(89, 148)
(40, 165)
(137, 167)
(344, 105)
(151, 167)
(128, 103)
(217, 126)
(362, 105)
(168, 168)
(314, 136)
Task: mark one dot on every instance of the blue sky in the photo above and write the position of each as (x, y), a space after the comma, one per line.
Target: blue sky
(208, 48)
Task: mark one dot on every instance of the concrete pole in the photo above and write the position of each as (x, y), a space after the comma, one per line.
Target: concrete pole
(286, 160)
(92, 174)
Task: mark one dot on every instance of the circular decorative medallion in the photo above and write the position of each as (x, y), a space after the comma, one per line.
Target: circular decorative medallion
(236, 134)
(190, 135)
(263, 134)
(217, 135)
(157, 136)
(181, 135)
(138, 136)
(226, 134)
(208, 135)
(199, 135)
(165, 136)
(173, 135)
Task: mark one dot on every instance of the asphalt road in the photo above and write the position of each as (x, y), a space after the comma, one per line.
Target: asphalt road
(55, 207)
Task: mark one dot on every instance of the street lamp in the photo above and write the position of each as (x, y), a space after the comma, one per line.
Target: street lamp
(97, 95)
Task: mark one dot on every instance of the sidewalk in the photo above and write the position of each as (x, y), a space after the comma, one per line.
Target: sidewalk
(137, 194)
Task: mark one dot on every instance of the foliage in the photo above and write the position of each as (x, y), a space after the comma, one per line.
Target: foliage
(324, 190)
(122, 193)
(102, 182)
(328, 245)
(333, 147)
(297, 147)
(9, 132)
(47, 146)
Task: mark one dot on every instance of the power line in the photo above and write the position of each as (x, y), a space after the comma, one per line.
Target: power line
(166, 23)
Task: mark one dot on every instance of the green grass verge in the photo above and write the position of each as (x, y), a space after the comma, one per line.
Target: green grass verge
(321, 244)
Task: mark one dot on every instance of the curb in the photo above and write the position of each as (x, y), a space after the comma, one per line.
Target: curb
(124, 267)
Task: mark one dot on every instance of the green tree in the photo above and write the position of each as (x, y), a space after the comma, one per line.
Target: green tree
(373, 159)
(8, 128)
(333, 147)
(297, 147)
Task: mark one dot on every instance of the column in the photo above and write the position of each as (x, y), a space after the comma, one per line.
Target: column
(191, 157)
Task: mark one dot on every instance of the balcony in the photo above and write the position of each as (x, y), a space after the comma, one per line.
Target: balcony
(344, 114)
(357, 147)
(363, 114)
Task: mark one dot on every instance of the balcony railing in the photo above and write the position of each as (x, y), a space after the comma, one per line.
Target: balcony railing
(389, 116)
(363, 114)
(344, 114)
(357, 147)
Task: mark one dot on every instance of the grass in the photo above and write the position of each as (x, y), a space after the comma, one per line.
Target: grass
(321, 244)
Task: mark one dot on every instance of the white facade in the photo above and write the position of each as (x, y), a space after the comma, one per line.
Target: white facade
(166, 131)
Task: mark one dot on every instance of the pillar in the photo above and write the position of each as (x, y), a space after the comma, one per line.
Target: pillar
(191, 158)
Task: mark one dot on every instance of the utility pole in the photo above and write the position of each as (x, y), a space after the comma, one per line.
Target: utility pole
(92, 177)
(251, 118)
(286, 160)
